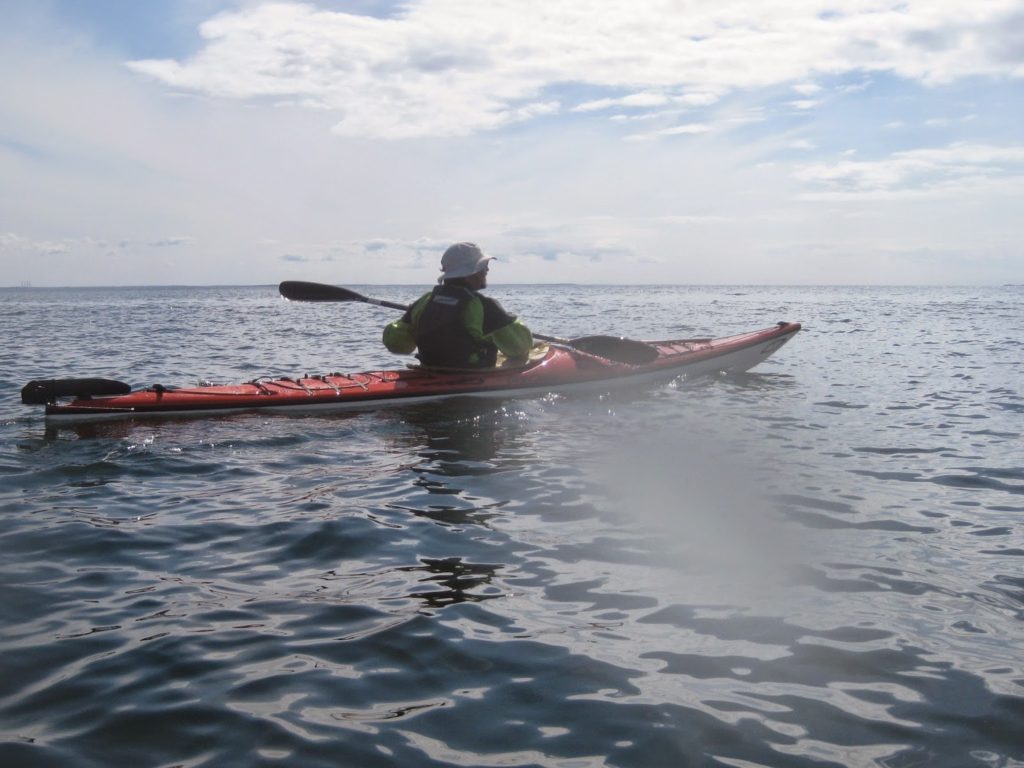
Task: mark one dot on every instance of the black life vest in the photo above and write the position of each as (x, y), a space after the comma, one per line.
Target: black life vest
(441, 336)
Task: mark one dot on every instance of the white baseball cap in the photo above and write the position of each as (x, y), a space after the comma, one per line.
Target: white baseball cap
(463, 260)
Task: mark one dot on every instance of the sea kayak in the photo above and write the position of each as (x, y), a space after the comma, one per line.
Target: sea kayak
(554, 368)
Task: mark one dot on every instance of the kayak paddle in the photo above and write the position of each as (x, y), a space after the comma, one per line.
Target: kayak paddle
(614, 348)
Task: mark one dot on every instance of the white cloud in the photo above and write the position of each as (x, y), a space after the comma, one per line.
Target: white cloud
(849, 88)
(172, 242)
(689, 219)
(807, 89)
(455, 67)
(676, 130)
(689, 128)
(633, 100)
(942, 171)
(13, 243)
(24, 245)
(701, 99)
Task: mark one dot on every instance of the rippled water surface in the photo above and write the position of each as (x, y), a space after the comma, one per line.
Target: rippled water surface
(820, 562)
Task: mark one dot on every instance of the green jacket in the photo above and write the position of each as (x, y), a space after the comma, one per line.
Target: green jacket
(482, 326)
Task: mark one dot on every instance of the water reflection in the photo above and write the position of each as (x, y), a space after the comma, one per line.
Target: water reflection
(450, 515)
(460, 438)
(454, 581)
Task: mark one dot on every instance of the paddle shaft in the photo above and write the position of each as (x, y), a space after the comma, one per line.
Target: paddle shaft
(609, 347)
(299, 290)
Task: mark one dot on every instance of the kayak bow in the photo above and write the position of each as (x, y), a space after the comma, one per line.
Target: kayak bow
(554, 368)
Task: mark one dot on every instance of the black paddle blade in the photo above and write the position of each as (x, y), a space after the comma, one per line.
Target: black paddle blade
(616, 348)
(43, 391)
(299, 290)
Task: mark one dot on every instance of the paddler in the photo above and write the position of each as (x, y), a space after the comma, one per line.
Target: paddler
(454, 325)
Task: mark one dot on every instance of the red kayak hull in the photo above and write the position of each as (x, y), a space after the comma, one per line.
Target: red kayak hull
(560, 368)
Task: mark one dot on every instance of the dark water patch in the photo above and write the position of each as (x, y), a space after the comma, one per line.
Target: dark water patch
(823, 581)
(814, 520)
(1011, 473)
(841, 404)
(451, 515)
(815, 503)
(979, 479)
(1013, 407)
(990, 433)
(588, 594)
(878, 475)
(1011, 552)
(1010, 586)
(901, 451)
(992, 532)
(451, 580)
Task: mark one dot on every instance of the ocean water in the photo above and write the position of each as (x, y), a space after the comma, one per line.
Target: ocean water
(818, 563)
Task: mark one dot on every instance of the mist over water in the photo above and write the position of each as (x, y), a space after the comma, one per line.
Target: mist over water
(816, 563)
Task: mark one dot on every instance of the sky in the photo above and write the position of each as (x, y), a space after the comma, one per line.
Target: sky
(721, 142)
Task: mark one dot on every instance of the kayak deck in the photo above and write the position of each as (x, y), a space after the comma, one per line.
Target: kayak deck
(553, 368)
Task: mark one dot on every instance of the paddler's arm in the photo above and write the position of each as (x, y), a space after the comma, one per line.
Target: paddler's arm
(398, 336)
(515, 340)
(491, 323)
